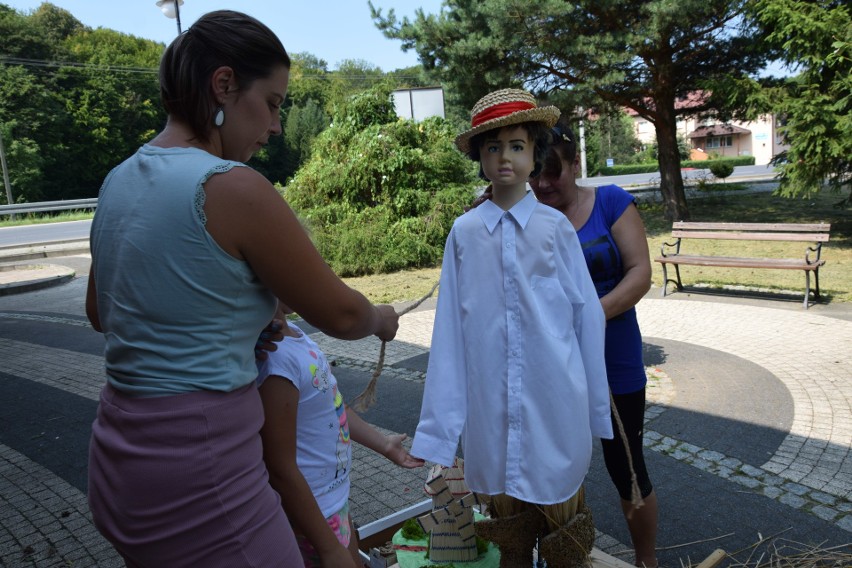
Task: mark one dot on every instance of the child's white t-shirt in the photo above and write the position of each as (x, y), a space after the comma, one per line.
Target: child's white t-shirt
(323, 449)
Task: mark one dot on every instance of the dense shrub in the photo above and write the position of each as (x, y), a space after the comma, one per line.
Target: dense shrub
(379, 193)
(705, 164)
(721, 169)
(625, 169)
(651, 168)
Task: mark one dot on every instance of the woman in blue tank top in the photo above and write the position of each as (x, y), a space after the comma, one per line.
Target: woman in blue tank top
(615, 246)
(190, 249)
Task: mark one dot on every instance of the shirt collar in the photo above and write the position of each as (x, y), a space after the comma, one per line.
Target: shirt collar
(521, 211)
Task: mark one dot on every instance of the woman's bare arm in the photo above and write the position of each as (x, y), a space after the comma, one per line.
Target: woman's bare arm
(629, 235)
(251, 221)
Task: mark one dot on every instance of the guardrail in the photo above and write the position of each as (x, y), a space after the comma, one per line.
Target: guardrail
(45, 206)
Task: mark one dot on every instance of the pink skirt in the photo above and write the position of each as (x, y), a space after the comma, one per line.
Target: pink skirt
(180, 481)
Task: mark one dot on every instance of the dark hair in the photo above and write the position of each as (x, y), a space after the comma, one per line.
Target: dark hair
(538, 133)
(220, 38)
(563, 146)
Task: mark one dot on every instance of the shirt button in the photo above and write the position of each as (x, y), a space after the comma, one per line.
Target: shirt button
(508, 245)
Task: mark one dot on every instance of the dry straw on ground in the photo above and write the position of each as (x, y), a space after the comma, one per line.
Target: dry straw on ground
(769, 552)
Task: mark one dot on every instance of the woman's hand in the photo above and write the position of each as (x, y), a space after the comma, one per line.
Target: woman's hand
(485, 196)
(389, 322)
(274, 331)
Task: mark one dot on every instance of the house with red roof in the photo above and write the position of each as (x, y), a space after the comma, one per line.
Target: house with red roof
(710, 137)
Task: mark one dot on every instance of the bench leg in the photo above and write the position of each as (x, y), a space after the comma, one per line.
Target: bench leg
(816, 284)
(807, 288)
(666, 279)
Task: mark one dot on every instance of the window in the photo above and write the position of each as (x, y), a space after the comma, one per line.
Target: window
(720, 141)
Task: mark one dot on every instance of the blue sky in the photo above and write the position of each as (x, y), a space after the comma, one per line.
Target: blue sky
(332, 30)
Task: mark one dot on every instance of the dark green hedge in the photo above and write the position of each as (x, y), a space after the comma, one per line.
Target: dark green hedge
(651, 168)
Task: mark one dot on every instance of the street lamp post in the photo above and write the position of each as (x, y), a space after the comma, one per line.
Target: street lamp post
(171, 9)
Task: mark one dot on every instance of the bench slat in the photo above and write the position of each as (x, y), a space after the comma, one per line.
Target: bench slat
(787, 227)
(798, 237)
(738, 262)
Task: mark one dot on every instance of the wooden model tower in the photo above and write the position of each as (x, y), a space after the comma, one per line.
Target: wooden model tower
(451, 520)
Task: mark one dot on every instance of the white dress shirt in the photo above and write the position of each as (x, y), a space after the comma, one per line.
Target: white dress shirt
(516, 366)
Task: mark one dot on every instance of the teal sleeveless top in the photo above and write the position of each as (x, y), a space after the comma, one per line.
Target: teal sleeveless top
(179, 314)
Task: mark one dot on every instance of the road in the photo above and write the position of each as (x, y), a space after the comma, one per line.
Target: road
(44, 233)
(741, 172)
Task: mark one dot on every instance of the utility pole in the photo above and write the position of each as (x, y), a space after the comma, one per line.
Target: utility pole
(582, 145)
(5, 173)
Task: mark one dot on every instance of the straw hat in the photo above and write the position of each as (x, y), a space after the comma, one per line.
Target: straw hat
(502, 108)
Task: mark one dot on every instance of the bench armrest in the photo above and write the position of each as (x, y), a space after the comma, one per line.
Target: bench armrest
(675, 245)
(817, 248)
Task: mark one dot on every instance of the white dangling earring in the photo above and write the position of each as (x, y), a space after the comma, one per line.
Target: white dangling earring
(219, 118)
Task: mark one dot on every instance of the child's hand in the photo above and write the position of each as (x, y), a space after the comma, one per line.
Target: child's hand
(273, 332)
(396, 453)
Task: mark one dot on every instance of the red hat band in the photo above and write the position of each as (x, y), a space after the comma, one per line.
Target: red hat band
(499, 111)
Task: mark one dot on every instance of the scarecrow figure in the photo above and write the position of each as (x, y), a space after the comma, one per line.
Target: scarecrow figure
(516, 366)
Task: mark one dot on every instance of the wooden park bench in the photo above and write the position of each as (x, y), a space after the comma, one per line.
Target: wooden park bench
(814, 233)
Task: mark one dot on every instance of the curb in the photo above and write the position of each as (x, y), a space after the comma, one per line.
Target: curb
(33, 277)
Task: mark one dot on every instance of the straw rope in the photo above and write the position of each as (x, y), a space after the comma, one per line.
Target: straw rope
(367, 398)
(635, 495)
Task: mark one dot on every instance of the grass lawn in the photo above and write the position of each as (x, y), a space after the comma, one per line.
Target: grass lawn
(835, 276)
(35, 218)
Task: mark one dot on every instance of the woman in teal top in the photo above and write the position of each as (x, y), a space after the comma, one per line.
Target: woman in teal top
(190, 249)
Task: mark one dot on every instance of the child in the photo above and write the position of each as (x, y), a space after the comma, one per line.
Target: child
(516, 366)
(306, 446)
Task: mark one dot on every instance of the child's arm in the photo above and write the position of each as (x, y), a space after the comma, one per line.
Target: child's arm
(389, 446)
(280, 405)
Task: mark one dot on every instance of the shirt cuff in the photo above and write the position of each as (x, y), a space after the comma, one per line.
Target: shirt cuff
(434, 449)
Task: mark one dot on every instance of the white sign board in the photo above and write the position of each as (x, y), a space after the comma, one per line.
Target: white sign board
(418, 104)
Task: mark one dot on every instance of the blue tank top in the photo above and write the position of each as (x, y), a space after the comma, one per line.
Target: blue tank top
(179, 314)
(623, 347)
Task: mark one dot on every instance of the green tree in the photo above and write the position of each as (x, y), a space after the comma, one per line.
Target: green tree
(309, 80)
(20, 37)
(302, 126)
(638, 55)
(55, 24)
(815, 106)
(73, 101)
(351, 76)
(613, 135)
(410, 78)
(27, 113)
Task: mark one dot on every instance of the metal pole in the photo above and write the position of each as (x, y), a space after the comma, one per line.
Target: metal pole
(5, 173)
(177, 15)
(582, 145)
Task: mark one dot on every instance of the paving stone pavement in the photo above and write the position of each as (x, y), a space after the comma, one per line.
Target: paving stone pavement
(788, 464)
